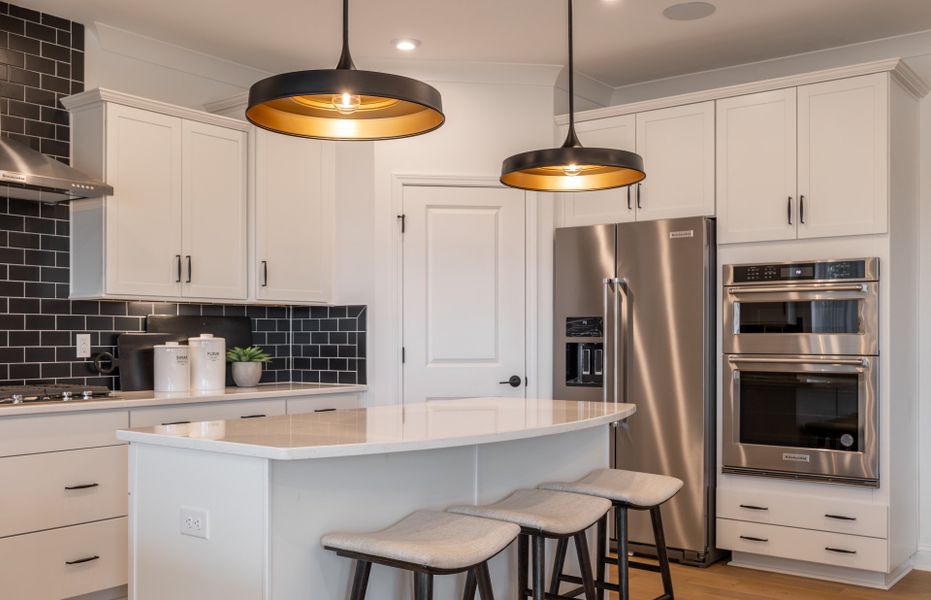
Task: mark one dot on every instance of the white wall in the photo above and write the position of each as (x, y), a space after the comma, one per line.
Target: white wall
(916, 49)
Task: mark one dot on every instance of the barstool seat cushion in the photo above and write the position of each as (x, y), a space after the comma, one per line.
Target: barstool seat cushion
(432, 539)
(560, 513)
(630, 487)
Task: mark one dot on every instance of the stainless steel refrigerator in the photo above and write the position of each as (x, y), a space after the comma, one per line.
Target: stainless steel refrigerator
(634, 311)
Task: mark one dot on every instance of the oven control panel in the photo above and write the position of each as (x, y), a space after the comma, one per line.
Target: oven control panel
(801, 271)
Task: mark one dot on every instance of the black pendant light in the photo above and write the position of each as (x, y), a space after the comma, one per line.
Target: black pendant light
(345, 103)
(571, 167)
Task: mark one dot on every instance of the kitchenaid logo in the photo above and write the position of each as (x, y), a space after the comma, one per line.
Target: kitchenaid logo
(792, 457)
(7, 176)
(674, 235)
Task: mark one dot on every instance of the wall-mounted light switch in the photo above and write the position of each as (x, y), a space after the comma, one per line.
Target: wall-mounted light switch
(82, 345)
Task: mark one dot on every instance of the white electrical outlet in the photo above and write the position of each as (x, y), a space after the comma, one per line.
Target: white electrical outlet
(82, 345)
(195, 522)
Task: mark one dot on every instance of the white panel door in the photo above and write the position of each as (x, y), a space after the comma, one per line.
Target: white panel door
(756, 165)
(214, 212)
(294, 218)
(463, 285)
(843, 156)
(606, 206)
(144, 213)
(677, 146)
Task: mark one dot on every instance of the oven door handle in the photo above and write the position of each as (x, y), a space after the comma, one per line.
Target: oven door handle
(858, 287)
(853, 362)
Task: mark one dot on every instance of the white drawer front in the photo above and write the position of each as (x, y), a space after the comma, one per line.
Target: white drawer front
(821, 547)
(34, 566)
(50, 432)
(36, 494)
(308, 404)
(808, 512)
(214, 411)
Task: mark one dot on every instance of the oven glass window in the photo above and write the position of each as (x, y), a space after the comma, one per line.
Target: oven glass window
(802, 410)
(812, 316)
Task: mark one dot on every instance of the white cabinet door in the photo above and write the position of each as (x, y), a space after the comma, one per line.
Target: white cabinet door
(607, 206)
(756, 167)
(214, 212)
(143, 229)
(294, 218)
(677, 146)
(843, 154)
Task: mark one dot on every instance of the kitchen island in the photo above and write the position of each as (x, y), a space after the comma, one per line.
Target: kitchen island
(258, 494)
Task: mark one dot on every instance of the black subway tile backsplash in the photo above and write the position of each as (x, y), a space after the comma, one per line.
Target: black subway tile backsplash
(41, 61)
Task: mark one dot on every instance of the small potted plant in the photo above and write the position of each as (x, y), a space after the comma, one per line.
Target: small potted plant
(247, 364)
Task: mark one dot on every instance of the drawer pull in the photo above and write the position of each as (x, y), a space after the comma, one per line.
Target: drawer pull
(83, 486)
(251, 416)
(81, 560)
(753, 539)
(325, 410)
(840, 517)
(176, 423)
(753, 507)
(840, 550)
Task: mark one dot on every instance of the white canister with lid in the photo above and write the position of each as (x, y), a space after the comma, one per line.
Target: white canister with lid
(208, 362)
(172, 367)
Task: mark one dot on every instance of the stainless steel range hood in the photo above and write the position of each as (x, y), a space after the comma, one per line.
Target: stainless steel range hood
(29, 175)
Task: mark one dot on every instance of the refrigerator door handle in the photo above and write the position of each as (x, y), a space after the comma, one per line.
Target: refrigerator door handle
(622, 289)
(607, 290)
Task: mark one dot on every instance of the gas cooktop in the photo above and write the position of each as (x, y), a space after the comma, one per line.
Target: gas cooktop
(53, 392)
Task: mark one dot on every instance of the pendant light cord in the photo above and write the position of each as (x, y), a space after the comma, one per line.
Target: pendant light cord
(572, 140)
(345, 58)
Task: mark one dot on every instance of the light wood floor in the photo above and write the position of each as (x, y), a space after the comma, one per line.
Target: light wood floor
(721, 582)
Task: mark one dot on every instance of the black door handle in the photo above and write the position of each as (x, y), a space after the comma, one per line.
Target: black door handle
(513, 381)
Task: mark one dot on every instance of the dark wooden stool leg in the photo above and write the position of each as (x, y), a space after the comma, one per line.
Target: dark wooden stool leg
(423, 586)
(539, 567)
(469, 592)
(484, 582)
(602, 536)
(585, 565)
(523, 561)
(360, 581)
(558, 564)
(660, 538)
(623, 571)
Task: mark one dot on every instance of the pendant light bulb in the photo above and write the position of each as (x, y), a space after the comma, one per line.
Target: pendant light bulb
(571, 170)
(346, 103)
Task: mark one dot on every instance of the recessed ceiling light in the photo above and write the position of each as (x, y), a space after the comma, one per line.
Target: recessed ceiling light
(689, 11)
(406, 44)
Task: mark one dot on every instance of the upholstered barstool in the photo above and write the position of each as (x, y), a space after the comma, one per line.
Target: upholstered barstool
(427, 543)
(626, 490)
(542, 515)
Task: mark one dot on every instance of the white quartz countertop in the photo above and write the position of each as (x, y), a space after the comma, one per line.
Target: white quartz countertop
(150, 398)
(385, 429)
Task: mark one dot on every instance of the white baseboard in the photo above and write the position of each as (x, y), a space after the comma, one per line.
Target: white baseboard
(922, 558)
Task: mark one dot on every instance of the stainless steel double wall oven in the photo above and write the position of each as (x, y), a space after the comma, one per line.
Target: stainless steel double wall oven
(801, 370)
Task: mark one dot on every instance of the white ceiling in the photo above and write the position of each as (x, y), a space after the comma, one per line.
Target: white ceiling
(617, 41)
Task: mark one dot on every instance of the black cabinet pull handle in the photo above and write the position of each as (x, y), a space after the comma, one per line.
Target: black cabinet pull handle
(175, 423)
(178, 262)
(789, 210)
(629, 207)
(840, 550)
(264, 273)
(753, 507)
(82, 560)
(638, 196)
(325, 410)
(189, 272)
(753, 539)
(801, 209)
(83, 486)
(251, 416)
(840, 517)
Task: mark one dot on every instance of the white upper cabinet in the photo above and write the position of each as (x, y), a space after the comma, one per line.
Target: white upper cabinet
(756, 167)
(213, 219)
(843, 156)
(606, 206)
(677, 146)
(294, 218)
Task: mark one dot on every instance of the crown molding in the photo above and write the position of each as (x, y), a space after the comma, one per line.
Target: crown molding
(230, 104)
(97, 96)
(902, 73)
